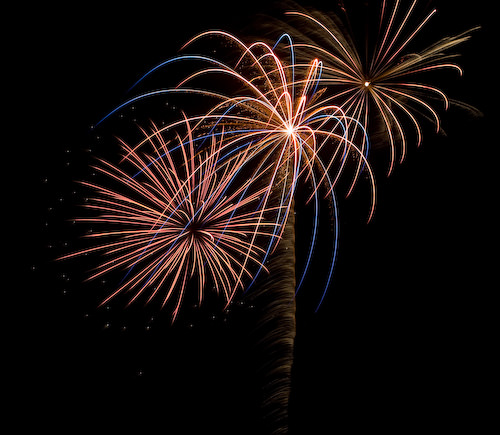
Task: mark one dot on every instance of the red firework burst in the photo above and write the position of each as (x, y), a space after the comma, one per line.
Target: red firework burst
(170, 222)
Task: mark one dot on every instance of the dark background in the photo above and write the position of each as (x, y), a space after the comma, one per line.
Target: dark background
(403, 339)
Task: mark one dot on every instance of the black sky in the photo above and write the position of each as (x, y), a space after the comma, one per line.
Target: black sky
(403, 338)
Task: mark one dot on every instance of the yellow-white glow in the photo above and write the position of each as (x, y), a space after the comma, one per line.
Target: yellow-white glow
(290, 130)
(367, 84)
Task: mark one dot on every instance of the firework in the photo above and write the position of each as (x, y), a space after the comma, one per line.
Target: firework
(176, 217)
(384, 81)
(279, 120)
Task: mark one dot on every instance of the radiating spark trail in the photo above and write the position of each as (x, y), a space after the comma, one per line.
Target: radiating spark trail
(379, 86)
(183, 219)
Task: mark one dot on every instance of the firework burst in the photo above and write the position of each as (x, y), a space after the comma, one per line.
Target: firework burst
(174, 220)
(384, 81)
(278, 119)
(275, 115)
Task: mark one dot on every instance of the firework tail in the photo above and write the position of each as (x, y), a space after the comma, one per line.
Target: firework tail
(275, 329)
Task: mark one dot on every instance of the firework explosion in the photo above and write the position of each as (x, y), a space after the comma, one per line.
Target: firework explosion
(172, 221)
(383, 82)
(209, 208)
(279, 120)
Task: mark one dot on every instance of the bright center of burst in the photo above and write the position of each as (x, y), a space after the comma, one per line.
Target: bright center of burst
(290, 130)
(367, 84)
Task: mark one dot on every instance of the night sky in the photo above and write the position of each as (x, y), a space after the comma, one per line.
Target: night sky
(403, 338)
